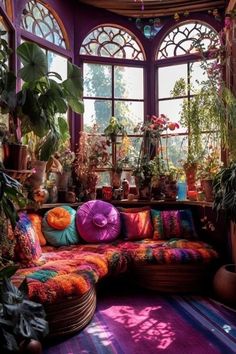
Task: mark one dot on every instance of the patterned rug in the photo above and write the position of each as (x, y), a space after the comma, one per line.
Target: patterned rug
(142, 322)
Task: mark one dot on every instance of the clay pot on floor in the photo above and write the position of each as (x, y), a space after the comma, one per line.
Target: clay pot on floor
(225, 285)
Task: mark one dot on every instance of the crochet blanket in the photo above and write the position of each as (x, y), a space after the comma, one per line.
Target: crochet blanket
(73, 270)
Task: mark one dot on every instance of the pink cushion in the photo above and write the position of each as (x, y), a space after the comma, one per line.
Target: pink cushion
(137, 225)
(98, 221)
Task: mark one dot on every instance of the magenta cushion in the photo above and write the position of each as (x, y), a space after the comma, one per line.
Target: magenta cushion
(98, 221)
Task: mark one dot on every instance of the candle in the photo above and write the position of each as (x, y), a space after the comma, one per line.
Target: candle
(192, 195)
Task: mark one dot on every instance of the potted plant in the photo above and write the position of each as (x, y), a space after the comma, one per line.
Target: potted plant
(15, 154)
(91, 154)
(43, 99)
(207, 169)
(150, 162)
(114, 128)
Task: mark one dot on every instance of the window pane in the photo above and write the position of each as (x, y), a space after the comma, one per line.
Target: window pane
(104, 179)
(96, 112)
(58, 64)
(97, 80)
(37, 19)
(177, 148)
(167, 77)
(172, 109)
(129, 113)
(128, 82)
(198, 74)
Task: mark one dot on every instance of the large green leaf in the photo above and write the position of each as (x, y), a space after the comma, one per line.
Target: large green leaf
(49, 146)
(63, 128)
(73, 85)
(52, 101)
(76, 105)
(34, 61)
(33, 116)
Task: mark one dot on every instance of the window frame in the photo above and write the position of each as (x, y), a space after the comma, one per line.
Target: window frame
(187, 59)
(102, 60)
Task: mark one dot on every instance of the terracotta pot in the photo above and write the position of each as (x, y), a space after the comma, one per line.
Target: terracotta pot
(225, 284)
(190, 172)
(15, 156)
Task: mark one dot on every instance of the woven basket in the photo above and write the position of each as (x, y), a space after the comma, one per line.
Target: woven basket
(173, 278)
(70, 315)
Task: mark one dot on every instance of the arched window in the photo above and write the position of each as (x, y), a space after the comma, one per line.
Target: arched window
(179, 62)
(7, 7)
(39, 20)
(112, 42)
(43, 22)
(113, 71)
(183, 39)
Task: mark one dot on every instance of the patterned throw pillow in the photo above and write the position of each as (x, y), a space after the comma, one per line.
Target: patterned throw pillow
(37, 225)
(52, 226)
(27, 249)
(173, 223)
(136, 225)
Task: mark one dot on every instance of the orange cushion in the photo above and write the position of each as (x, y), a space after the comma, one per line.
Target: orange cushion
(37, 224)
(136, 226)
(58, 218)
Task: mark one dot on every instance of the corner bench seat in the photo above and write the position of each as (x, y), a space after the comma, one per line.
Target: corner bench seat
(74, 270)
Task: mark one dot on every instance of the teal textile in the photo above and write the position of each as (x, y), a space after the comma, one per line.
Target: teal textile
(65, 237)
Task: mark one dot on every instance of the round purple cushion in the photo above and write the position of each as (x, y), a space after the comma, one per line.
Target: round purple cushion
(98, 221)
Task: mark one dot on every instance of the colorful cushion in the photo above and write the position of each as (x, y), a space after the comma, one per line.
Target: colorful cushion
(136, 225)
(134, 210)
(27, 249)
(58, 218)
(173, 223)
(98, 221)
(60, 237)
(37, 225)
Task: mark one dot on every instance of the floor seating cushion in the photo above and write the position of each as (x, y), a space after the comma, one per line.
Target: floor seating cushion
(73, 270)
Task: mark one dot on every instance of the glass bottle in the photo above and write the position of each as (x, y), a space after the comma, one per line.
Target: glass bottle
(182, 188)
